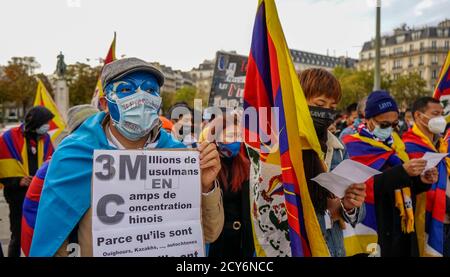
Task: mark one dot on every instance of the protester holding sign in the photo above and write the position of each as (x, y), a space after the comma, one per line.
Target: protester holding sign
(23, 149)
(423, 137)
(391, 195)
(132, 90)
(236, 239)
(323, 93)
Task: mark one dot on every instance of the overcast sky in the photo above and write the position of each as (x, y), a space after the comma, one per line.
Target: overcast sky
(182, 33)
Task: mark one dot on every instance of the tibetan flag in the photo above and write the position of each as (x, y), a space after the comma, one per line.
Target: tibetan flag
(442, 90)
(283, 217)
(30, 207)
(14, 155)
(43, 98)
(111, 56)
(430, 207)
(363, 148)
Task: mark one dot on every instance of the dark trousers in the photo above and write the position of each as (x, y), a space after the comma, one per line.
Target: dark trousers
(446, 240)
(14, 197)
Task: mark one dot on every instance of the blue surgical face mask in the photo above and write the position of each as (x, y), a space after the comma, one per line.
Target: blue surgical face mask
(134, 102)
(382, 134)
(43, 129)
(357, 122)
(229, 150)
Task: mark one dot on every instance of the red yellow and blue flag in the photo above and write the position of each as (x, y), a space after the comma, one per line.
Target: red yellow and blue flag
(363, 148)
(442, 89)
(111, 56)
(30, 207)
(14, 155)
(43, 98)
(272, 82)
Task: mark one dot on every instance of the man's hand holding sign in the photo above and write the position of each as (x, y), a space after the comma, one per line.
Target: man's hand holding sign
(147, 203)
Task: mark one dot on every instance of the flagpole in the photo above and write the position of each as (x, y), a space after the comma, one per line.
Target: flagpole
(377, 77)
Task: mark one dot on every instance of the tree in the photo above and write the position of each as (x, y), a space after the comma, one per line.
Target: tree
(186, 94)
(168, 99)
(357, 84)
(19, 84)
(407, 88)
(81, 79)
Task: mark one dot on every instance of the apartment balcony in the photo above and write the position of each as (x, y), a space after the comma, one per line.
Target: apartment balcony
(424, 50)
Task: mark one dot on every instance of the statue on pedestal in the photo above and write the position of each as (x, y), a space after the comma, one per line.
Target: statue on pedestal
(60, 86)
(61, 66)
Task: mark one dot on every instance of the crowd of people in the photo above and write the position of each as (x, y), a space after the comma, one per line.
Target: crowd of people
(48, 192)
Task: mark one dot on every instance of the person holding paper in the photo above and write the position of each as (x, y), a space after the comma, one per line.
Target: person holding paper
(323, 93)
(391, 195)
(132, 89)
(424, 137)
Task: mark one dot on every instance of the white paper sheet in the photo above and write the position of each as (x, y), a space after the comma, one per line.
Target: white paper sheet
(346, 173)
(433, 159)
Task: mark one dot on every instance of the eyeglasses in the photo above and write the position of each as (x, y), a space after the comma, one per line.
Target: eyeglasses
(386, 124)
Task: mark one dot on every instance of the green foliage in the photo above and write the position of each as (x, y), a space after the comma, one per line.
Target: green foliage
(186, 94)
(407, 88)
(81, 79)
(18, 83)
(357, 84)
(168, 99)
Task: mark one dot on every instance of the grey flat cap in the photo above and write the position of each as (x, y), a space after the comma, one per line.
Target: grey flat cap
(122, 67)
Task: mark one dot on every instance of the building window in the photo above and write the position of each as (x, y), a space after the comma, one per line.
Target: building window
(422, 46)
(400, 39)
(398, 50)
(433, 44)
(416, 35)
(397, 64)
(435, 59)
(411, 47)
(434, 74)
(396, 76)
(421, 60)
(447, 44)
(410, 64)
(420, 73)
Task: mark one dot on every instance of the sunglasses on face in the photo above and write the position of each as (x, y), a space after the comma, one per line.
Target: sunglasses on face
(387, 124)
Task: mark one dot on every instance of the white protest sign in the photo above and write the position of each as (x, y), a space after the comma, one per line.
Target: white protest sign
(146, 203)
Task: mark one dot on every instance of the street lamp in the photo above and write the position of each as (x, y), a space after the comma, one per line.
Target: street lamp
(377, 76)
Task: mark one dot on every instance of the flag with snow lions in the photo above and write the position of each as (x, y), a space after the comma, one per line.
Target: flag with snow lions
(442, 90)
(283, 217)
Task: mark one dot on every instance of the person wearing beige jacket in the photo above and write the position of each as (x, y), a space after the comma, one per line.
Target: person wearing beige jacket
(132, 92)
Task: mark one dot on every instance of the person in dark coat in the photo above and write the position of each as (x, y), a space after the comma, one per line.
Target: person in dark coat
(22, 150)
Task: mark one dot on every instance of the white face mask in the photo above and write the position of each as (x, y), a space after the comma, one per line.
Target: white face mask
(437, 125)
(43, 129)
